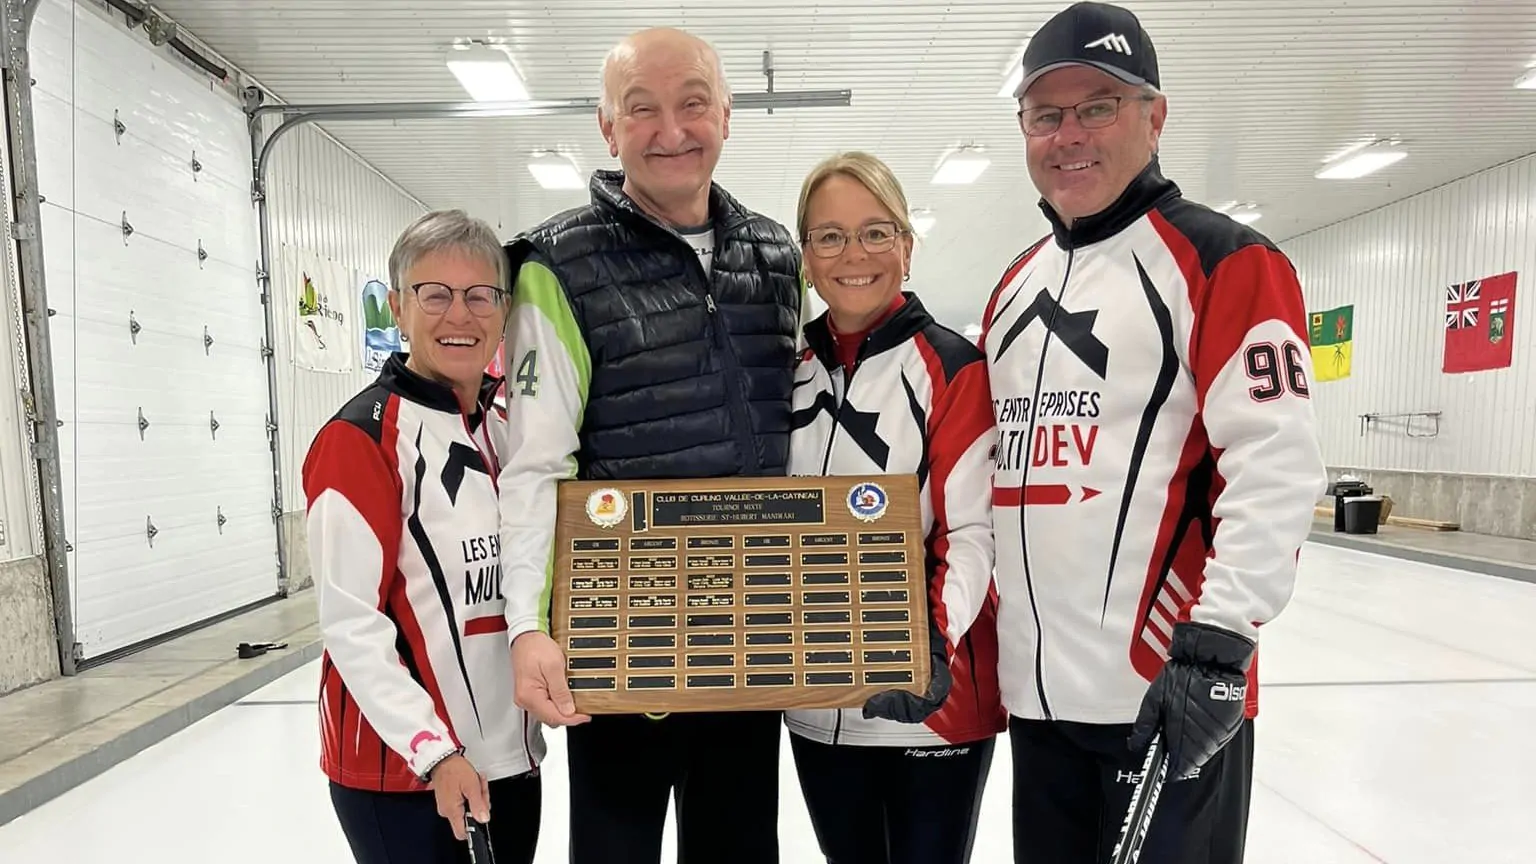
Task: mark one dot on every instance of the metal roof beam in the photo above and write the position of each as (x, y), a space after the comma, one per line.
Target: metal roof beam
(538, 107)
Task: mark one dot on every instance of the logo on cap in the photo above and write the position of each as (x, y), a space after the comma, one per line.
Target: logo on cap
(1112, 42)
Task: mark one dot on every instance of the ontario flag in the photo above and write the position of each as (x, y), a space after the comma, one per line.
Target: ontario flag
(1480, 324)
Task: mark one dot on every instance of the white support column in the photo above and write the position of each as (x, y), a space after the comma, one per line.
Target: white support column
(38, 416)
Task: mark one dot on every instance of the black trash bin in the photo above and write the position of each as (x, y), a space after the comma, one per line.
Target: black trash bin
(1346, 489)
(1362, 514)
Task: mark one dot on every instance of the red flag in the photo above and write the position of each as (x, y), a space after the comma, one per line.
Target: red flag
(1480, 324)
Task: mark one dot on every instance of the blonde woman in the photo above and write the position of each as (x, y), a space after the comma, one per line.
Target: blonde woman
(884, 388)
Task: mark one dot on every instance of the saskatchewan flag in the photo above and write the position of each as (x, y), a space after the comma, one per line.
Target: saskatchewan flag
(1332, 340)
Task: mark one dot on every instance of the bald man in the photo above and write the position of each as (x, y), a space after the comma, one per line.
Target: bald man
(652, 335)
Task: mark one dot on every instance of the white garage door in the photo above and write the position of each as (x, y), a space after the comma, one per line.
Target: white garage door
(150, 247)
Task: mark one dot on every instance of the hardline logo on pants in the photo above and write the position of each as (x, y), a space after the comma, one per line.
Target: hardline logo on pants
(937, 753)
(1134, 777)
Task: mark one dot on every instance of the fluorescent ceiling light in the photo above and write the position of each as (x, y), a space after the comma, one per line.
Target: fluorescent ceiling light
(1247, 217)
(1361, 162)
(1527, 81)
(972, 331)
(555, 171)
(960, 167)
(922, 221)
(486, 73)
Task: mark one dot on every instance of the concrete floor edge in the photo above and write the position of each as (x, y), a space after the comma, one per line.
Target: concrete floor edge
(1500, 569)
(55, 782)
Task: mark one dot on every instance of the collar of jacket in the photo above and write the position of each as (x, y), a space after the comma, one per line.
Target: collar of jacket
(1146, 191)
(399, 378)
(607, 187)
(902, 325)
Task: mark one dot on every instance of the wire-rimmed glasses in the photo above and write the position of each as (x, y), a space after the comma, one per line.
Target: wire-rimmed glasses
(874, 237)
(1095, 113)
(436, 298)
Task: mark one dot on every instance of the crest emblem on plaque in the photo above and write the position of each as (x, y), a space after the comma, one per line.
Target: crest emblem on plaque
(867, 501)
(606, 507)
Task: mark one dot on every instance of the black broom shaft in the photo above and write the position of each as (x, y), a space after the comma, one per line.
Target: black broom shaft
(1138, 816)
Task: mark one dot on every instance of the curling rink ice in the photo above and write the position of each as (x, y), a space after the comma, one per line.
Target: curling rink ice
(1397, 715)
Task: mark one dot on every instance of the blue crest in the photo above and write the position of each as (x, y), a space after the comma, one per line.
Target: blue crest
(867, 501)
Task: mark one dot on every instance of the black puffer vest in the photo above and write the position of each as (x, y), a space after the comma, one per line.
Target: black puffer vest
(691, 377)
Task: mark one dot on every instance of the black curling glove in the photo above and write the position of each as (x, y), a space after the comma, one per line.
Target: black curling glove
(906, 707)
(1197, 699)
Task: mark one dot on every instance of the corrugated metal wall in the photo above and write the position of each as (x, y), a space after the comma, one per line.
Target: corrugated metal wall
(324, 199)
(1394, 265)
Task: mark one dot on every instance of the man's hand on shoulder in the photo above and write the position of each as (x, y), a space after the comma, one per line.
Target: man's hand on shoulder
(538, 669)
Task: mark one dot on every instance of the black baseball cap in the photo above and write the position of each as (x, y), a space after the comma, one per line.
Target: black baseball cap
(1106, 37)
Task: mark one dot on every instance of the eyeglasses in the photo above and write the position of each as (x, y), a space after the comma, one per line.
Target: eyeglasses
(874, 237)
(436, 298)
(1091, 114)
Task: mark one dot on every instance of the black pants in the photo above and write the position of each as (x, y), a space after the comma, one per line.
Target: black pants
(1072, 783)
(721, 769)
(404, 827)
(893, 805)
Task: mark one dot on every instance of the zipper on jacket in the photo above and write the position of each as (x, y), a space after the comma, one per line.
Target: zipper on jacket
(492, 462)
(837, 417)
(1029, 582)
(736, 398)
(826, 463)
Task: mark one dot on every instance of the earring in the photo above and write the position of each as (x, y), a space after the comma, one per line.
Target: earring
(907, 277)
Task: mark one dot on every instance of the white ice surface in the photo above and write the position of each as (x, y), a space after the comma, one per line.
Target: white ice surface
(1397, 718)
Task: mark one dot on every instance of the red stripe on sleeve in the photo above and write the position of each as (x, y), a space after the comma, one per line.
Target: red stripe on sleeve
(961, 413)
(1185, 564)
(1252, 285)
(346, 459)
(410, 629)
(485, 625)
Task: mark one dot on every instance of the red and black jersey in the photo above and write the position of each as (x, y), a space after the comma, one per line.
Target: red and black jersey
(404, 543)
(916, 403)
(1158, 457)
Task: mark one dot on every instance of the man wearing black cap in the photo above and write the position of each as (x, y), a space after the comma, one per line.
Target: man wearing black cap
(1157, 465)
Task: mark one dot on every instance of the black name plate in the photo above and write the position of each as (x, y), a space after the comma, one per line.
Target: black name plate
(768, 507)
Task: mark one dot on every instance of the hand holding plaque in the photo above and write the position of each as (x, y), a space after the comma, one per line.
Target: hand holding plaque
(904, 706)
(538, 668)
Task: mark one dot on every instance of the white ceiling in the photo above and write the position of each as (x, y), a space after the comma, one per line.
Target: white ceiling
(1260, 94)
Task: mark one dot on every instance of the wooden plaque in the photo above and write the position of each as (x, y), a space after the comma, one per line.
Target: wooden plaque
(740, 593)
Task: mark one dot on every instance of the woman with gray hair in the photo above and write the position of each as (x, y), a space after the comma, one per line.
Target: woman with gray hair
(417, 719)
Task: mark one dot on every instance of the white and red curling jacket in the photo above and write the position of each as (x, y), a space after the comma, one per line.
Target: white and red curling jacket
(403, 537)
(1158, 457)
(916, 403)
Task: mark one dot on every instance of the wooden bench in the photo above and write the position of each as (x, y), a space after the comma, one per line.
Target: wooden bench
(1324, 512)
(1426, 524)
